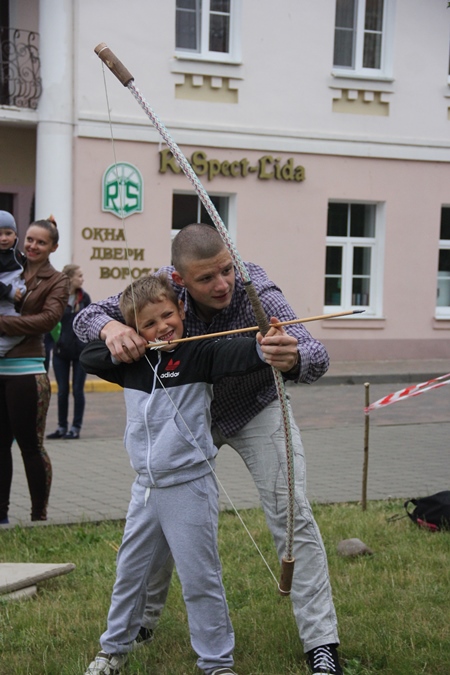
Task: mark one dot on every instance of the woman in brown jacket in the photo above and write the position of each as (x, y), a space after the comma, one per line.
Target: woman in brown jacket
(24, 384)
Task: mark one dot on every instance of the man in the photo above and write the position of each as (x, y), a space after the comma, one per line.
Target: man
(245, 415)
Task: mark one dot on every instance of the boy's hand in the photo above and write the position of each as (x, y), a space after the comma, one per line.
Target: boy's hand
(279, 348)
(123, 342)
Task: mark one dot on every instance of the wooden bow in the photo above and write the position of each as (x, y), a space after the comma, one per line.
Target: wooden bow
(127, 79)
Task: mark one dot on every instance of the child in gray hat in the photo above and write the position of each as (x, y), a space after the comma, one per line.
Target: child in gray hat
(12, 284)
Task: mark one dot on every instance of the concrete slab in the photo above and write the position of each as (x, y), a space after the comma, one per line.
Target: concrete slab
(22, 594)
(16, 576)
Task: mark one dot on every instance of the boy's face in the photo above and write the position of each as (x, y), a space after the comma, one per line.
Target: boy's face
(161, 321)
(7, 238)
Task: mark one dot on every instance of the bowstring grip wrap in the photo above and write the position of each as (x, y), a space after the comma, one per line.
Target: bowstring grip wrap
(287, 571)
(258, 310)
(112, 62)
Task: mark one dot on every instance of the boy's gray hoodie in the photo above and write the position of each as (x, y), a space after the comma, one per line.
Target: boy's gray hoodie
(169, 440)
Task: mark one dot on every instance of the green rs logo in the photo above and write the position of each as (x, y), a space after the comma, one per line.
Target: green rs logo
(122, 192)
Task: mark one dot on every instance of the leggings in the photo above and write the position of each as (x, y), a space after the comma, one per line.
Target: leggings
(24, 401)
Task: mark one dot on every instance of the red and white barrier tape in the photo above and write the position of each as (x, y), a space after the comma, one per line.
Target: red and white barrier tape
(408, 392)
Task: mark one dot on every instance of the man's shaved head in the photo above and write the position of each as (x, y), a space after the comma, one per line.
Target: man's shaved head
(195, 242)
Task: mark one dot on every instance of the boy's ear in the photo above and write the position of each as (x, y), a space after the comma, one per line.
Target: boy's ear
(181, 309)
(178, 279)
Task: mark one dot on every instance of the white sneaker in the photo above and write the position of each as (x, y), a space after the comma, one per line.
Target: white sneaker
(107, 664)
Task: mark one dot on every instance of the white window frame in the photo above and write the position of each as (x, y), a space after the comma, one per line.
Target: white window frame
(442, 312)
(230, 225)
(385, 69)
(376, 244)
(203, 53)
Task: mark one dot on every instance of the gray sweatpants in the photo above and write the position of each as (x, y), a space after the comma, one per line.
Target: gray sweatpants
(261, 445)
(180, 520)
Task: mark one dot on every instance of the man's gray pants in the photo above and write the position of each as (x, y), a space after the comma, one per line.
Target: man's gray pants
(181, 520)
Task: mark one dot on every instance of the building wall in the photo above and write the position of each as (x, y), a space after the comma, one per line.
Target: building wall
(365, 139)
(282, 226)
(381, 140)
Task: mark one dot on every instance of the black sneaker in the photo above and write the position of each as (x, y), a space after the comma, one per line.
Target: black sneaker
(144, 637)
(72, 434)
(59, 433)
(324, 660)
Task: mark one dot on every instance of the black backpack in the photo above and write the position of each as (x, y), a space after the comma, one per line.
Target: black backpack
(432, 512)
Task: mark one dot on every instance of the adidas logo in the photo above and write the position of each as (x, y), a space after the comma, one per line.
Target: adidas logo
(171, 366)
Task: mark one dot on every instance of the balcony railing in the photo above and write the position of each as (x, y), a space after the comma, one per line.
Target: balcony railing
(20, 81)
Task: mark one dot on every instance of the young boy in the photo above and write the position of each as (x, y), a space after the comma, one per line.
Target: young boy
(174, 501)
(12, 284)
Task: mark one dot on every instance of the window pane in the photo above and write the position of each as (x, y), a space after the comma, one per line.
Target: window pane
(344, 35)
(443, 281)
(186, 4)
(333, 266)
(374, 15)
(333, 263)
(187, 24)
(345, 14)
(221, 204)
(220, 6)
(187, 31)
(343, 48)
(361, 260)
(444, 260)
(362, 220)
(7, 202)
(332, 291)
(360, 292)
(372, 50)
(184, 210)
(219, 33)
(445, 223)
(337, 220)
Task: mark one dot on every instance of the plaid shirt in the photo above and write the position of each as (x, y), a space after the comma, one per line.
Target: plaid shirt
(237, 399)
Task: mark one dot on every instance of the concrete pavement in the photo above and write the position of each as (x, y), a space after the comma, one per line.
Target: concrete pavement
(408, 446)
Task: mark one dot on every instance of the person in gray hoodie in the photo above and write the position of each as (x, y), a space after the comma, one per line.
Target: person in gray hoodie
(174, 503)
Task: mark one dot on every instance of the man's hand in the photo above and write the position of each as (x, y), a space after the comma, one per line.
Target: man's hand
(279, 348)
(123, 342)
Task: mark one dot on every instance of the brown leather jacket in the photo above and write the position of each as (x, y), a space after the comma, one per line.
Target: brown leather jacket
(41, 309)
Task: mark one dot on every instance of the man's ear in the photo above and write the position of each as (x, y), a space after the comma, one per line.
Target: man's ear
(178, 279)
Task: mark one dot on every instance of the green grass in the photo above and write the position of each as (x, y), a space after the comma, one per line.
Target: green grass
(393, 607)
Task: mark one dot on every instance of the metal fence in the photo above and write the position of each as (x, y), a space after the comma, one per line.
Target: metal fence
(20, 81)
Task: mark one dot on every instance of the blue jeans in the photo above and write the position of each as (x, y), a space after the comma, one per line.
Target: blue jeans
(61, 367)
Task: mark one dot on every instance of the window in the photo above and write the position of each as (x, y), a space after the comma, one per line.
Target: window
(187, 208)
(351, 257)
(206, 29)
(7, 202)
(360, 42)
(443, 276)
(449, 68)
